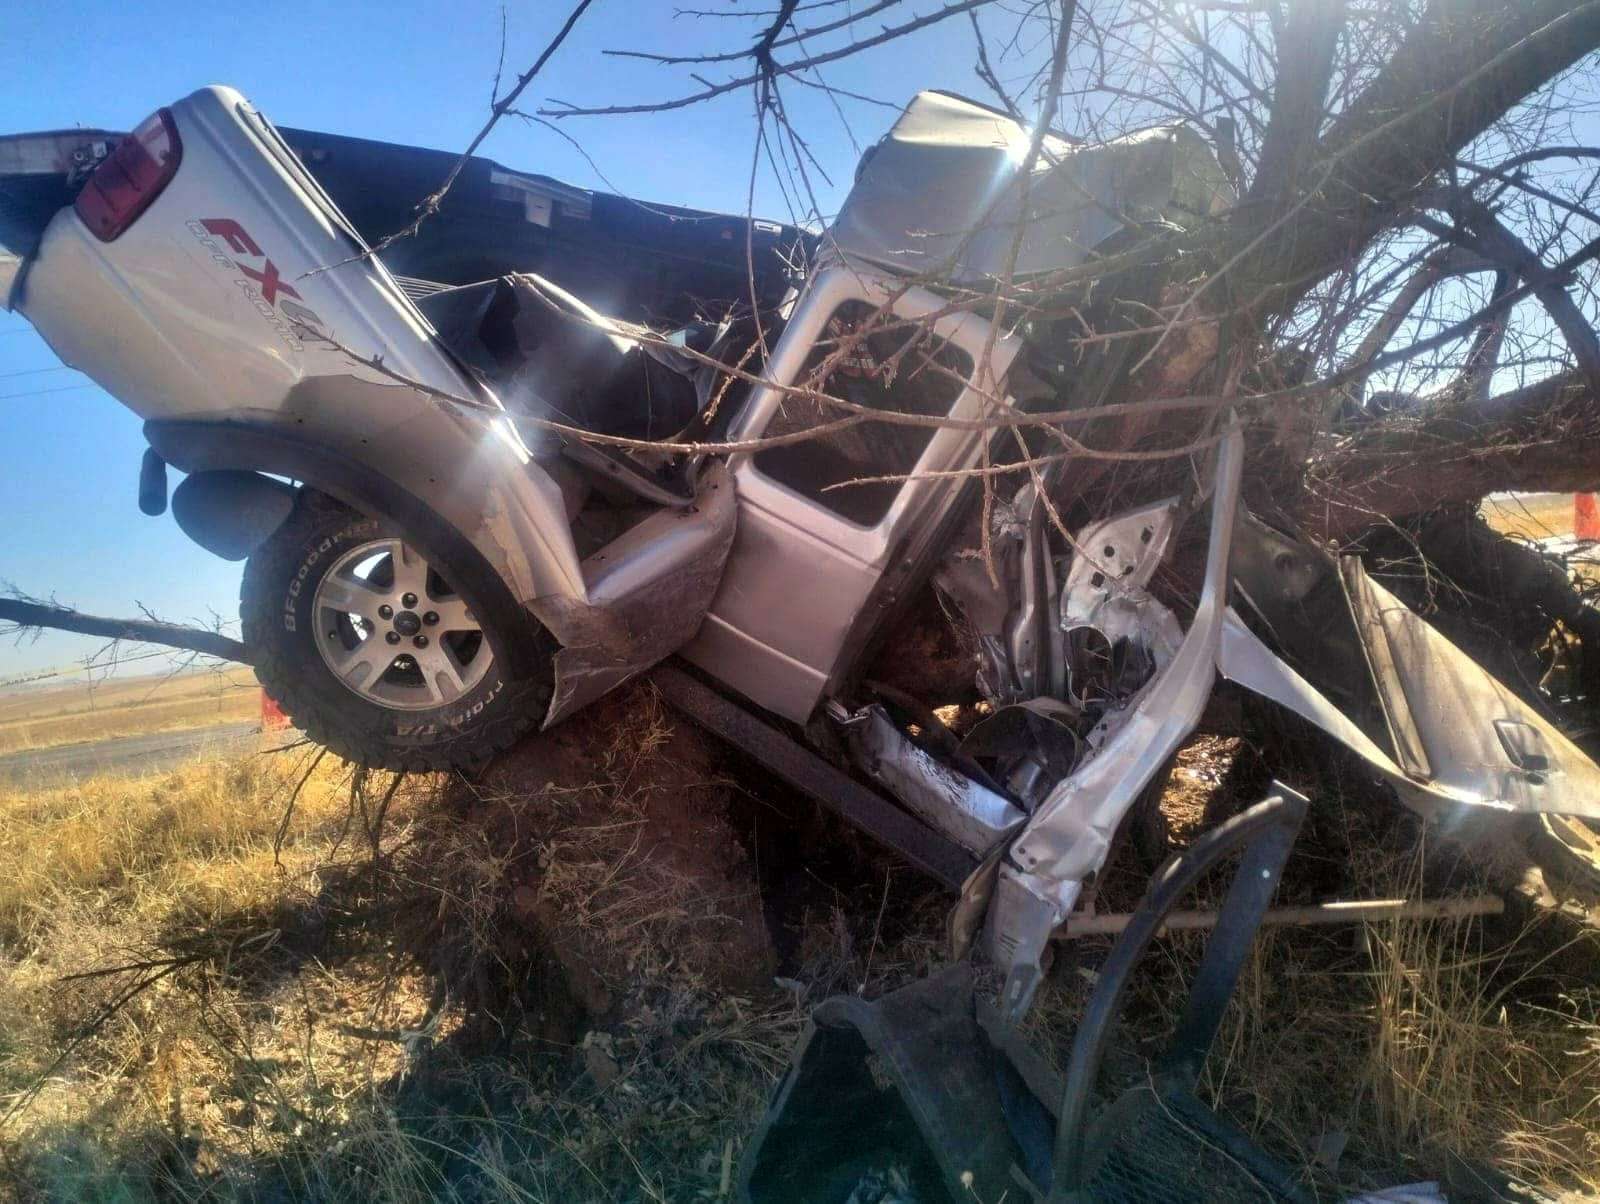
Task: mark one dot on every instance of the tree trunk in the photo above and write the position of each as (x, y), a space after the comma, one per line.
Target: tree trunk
(1543, 437)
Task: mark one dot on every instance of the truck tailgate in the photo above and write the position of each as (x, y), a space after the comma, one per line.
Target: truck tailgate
(39, 174)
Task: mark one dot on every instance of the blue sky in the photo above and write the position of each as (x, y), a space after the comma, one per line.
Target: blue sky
(406, 73)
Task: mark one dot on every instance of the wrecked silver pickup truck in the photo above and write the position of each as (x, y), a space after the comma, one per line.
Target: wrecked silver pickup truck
(469, 509)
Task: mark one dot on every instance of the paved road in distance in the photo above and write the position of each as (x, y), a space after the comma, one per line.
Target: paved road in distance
(125, 755)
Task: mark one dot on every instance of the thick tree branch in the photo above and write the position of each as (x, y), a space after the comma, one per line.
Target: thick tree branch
(1543, 437)
(1305, 69)
(1492, 239)
(29, 614)
(1465, 66)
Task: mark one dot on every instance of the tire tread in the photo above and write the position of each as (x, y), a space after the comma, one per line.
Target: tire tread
(525, 701)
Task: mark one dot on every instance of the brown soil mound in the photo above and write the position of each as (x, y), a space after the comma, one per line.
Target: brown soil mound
(598, 856)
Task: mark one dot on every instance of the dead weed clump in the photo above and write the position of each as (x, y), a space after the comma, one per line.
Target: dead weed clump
(1412, 1050)
(1476, 1055)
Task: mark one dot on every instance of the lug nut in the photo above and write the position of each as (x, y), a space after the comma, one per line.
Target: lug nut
(386, 612)
(393, 637)
(421, 641)
(409, 600)
(431, 618)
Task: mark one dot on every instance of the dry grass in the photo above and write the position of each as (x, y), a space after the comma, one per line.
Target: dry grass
(1415, 1049)
(169, 894)
(83, 712)
(1369, 1055)
(324, 1031)
(1467, 1058)
(333, 1028)
(1530, 515)
(197, 841)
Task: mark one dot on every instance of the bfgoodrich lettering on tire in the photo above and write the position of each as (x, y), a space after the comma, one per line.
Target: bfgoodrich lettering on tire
(373, 651)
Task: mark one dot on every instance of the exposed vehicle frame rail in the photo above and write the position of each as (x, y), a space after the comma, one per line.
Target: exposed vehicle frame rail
(815, 777)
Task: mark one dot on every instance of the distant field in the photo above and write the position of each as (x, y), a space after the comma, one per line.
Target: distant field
(1534, 515)
(48, 717)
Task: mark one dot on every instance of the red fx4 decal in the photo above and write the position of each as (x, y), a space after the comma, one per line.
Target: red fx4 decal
(268, 278)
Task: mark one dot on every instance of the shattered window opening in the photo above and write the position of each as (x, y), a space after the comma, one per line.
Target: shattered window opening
(879, 371)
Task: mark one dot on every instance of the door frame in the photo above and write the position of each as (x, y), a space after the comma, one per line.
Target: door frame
(800, 574)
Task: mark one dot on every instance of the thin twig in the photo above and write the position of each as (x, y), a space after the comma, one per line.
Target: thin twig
(430, 203)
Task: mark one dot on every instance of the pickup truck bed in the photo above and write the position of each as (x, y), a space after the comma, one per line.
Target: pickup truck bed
(635, 260)
(631, 259)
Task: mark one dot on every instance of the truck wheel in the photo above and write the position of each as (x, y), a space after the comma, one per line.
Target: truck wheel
(372, 652)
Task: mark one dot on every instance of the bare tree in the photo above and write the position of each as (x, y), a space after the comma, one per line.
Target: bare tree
(1413, 226)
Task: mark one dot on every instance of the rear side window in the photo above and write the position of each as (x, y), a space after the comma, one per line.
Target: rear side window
(896, 365)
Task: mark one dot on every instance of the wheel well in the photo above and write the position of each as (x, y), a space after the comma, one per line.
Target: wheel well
(210, 446)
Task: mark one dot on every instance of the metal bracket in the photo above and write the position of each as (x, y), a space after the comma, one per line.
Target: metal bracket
(1019, 926)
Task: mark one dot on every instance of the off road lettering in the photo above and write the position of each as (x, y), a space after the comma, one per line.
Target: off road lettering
(270, 295)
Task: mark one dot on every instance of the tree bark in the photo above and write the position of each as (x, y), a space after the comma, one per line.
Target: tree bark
(145, 631)
(1543, 437)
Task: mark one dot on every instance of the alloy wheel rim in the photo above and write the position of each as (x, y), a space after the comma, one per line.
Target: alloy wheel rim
(394, 632)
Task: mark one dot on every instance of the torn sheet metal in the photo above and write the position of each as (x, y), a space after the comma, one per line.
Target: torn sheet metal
(1070, 834)
(1031, 745)
(1035, 640)
(1484, 745)
(1072, 829)
(1106, 605)
(1244, 659)
(969, 813)
(647, 593)
(1116, 557)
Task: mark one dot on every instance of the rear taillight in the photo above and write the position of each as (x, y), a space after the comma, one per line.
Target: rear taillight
(131, 176)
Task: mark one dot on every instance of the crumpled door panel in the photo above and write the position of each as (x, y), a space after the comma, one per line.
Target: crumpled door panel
(1451, 733)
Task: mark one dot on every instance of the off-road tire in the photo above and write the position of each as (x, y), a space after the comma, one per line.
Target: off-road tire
(275, 607)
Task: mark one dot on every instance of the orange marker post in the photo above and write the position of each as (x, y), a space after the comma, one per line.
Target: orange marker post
(272, 717)
(1585, 516)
